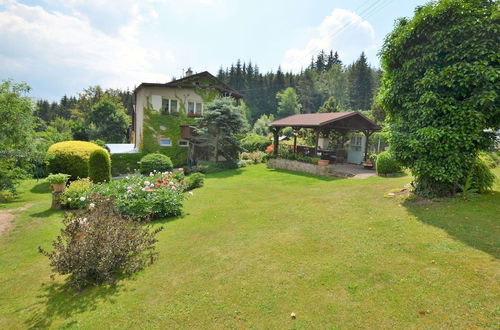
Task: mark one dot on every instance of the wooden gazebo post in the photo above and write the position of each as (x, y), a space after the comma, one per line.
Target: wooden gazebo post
(367, 133)
(276, 136)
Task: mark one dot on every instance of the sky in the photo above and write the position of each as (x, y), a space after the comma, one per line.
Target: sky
(60, 47)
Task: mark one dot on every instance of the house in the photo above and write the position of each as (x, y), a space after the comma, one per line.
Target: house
(161, 109)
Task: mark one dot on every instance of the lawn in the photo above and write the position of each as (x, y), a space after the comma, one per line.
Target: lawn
(256, 244)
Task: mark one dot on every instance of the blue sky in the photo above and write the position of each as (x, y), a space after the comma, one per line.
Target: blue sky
(63, 46)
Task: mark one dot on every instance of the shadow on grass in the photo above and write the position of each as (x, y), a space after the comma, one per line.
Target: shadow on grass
(40, 188)
(61, 301)
(45, 214)
(474, 222)
(305, 175)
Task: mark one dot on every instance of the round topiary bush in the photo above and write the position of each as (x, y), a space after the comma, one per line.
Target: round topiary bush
(386, 164)
(71, 157)
(100, 166)
(155, 162)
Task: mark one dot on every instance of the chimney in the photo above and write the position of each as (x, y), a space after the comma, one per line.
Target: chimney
(189, 72)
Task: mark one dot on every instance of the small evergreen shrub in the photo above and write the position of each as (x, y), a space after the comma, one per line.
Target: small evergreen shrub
(386, 164)
(71, 157)
(91, 248)
(100, 166)
(194, 181)
(155, 162)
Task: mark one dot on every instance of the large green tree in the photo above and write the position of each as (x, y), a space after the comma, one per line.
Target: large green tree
(216, 130)
(108, 121)
(441, 90)
(360, 84)
(288, 103)
(16, 132)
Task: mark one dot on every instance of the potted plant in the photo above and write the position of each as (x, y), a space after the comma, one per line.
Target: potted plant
(323, 162)
(58, 181)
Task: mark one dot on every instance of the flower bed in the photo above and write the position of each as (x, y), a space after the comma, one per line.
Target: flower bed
(141, 197)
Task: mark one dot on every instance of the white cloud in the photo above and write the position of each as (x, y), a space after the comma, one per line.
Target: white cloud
(65, 47)
(343, 31)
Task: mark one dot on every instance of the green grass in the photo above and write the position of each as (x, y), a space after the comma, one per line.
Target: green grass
(256, 244)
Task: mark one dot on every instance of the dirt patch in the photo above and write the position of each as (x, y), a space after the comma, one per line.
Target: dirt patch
(6, 217)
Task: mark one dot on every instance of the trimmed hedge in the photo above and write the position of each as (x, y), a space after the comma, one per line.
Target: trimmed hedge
(71, 157)
(155, 162)
(386, 164)
(125, 163)
(100, 166)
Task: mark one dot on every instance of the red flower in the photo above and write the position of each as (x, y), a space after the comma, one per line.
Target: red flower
(159, 180)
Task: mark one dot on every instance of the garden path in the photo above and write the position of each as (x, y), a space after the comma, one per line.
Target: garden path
(6, 217)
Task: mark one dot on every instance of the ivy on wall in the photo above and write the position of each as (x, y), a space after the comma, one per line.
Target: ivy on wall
(157, 125)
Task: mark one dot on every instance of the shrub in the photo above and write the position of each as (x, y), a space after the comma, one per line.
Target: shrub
(125, 163)
(196, 169)
(386, 164)
(100, 166)
(254, 142)
(257, 156)
(195, 180)
(76, 196)
(57, 178)
(145, 197)
(155, 162)
(489, 158)
(71, 157)
(481, 177)
(91, 248)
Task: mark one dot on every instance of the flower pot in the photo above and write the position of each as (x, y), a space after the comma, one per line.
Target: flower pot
(58, 187)
(323, 162)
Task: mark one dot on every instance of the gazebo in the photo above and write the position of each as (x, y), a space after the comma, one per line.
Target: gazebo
(323, 123)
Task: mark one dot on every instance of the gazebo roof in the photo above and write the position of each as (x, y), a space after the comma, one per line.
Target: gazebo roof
(346, 120)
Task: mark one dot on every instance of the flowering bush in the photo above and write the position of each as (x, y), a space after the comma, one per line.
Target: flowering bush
(76, 196)
(146, 197)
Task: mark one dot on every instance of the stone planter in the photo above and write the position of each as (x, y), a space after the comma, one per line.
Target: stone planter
(58, 187)
(323, 162)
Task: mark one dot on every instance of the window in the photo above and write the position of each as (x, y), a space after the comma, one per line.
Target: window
(173, 106)
(165, 105)
(165, 142)
(190, 107)
(183, 143)
(199, 108)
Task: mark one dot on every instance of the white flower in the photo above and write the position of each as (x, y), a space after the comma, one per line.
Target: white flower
(69, 199)
(151, 174)
(82, 198)
(129, 188)
(143, 189)
(152, 185)
(173, 188)
(191, 193)
(126, 177)
(171, 183)
(91, 205)
(147, 183)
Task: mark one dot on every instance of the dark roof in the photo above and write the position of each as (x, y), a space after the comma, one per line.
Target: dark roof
(314, 120)
(187, 83)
